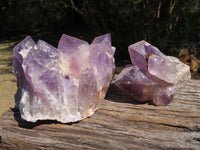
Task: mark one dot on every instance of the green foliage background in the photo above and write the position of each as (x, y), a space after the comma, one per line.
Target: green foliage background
(168, 24)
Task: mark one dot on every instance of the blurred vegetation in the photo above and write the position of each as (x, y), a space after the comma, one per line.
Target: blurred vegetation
(170, 25)
(34, 16)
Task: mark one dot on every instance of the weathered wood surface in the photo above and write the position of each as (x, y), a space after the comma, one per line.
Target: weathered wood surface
(118, 124)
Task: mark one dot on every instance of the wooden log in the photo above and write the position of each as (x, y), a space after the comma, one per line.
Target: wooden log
(119, 123)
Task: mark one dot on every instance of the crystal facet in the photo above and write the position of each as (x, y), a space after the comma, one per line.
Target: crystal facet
(67, 83)
(152, 75)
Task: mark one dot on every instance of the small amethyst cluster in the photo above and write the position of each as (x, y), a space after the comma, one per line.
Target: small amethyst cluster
(152, 75)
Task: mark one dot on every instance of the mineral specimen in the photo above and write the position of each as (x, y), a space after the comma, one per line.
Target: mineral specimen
(67, 83)
(152, 75)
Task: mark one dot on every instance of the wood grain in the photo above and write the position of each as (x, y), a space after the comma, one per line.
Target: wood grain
(119, 123)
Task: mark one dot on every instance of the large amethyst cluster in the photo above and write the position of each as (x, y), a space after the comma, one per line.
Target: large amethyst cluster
(67, 83)
(152, 75)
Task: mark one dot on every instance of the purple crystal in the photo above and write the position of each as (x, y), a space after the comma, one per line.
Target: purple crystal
(152, 75)
(67, 83)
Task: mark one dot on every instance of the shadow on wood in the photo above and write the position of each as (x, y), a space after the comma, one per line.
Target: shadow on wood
(30, 125)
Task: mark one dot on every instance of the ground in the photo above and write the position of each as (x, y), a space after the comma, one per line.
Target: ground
(7, 79)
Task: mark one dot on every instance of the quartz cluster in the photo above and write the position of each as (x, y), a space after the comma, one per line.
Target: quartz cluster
(67, 83)
(152, 75)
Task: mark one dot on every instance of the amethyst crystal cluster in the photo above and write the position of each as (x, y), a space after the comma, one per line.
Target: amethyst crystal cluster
(67, 83)
(152, 75)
